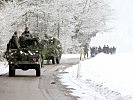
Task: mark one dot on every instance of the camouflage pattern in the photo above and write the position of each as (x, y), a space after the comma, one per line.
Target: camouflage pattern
(52, 49)
(27, 48)
(15, 55)
(13, 43)
(27, 41)
(28, 56)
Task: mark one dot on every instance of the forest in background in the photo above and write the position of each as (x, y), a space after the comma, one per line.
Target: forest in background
(73, 22)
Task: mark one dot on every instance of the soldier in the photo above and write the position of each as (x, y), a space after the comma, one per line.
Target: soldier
(85, 50)
(99, 49)
(26, 39)
(26, 32)
(104, 49)
(81, 53)
(13, 43)
(114, 50)
(107, 49)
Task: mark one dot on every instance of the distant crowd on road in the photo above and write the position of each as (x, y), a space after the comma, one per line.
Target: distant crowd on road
(105, 49)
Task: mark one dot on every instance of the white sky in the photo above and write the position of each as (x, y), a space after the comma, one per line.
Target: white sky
(122, 34)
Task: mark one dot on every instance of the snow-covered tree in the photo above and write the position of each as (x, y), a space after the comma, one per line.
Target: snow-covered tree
(73, 22)
(78, 20)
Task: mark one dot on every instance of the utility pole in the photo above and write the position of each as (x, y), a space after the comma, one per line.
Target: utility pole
(37, 21)
(58, 27)
(26, 19)
(58, 34)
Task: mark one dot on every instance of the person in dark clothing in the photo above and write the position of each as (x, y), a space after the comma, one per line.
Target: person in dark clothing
(93, 51)
(114, 50)
(99, 49)
(107, 49)
(13, 43)
(26, 32)
(104, 49)
(26, 39)
(85, 50)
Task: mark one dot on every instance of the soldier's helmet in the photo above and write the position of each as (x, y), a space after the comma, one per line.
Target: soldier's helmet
(51, 40)
(15, 33)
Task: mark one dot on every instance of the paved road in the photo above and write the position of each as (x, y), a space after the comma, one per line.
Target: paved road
(26, 86)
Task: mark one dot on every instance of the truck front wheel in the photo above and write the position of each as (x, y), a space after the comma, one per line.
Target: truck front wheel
(11, 70)
(53, 60)
(57, 60)
(38, 71)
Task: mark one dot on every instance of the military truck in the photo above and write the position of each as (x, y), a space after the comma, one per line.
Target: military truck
(52, 50)
(28, 56)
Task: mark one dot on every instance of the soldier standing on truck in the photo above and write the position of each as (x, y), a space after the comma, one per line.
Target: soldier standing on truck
(26, 39)
(27, 32)
(13, 43)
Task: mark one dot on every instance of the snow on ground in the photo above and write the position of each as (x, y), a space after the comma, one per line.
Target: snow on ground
(3, 64)
(4, 67)
(66, 56)
(104, 77)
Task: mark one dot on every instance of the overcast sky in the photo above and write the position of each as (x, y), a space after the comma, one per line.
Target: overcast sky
(121, 35)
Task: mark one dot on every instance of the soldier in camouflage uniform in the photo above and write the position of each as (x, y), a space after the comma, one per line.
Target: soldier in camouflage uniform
(13, 43)
(52, 50)
(26, 32)
(26, 39)
(26, 57)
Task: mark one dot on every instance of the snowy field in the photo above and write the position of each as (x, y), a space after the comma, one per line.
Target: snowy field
(104, 77)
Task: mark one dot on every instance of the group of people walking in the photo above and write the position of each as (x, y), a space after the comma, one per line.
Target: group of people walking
(105, 49)
(96, 50)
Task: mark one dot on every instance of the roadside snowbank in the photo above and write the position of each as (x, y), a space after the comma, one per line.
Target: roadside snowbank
(4, 67)
(104, 77)
(67, 56)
